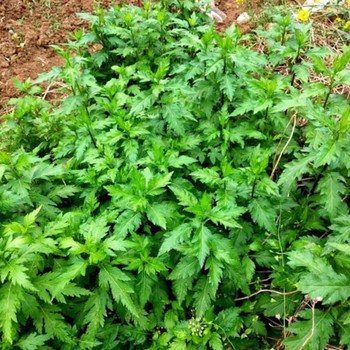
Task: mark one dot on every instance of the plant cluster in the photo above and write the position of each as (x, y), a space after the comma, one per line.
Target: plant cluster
(186, 193)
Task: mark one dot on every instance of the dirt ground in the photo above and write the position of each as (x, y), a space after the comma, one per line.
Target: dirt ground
(29, 27)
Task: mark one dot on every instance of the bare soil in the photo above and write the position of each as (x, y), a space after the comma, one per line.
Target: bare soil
(29, 27)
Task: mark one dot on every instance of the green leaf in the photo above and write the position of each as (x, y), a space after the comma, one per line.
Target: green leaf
(326, 284)
(263, 213)
(95, 311)
(157, 214)
(185, 198)
(229, 321)
(173, 114)
(17, 274)
(305, 258)
(157, 182)
(143, 102)
(201, 240)
(207, 176)
(65, 191)
(178, 344)
(29, 219)
(187, 267)
(313, 333)
(44, 171)
(128, 221)
(345, 339)
(227, 84)
(215, 341)
(331, 186)
(144, 288)
(294, 170)
(174, 239)
(216, 271)
(10, 303)
(54, 323)
(32, 341)
(226, 216)
(115, 279)
(290, 103)
(204, 295)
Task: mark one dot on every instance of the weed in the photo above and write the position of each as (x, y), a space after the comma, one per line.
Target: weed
(187, 193)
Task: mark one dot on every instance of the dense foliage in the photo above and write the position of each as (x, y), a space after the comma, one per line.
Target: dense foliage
(188, 192)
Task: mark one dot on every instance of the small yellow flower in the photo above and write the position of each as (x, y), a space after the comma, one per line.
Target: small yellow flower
(348, 3)
(347, 25)
(338, 20)
(303, 15)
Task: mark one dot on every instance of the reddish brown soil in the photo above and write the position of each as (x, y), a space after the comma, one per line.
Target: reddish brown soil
(29, 27)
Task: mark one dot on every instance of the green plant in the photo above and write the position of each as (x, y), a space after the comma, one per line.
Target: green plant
(184, 195)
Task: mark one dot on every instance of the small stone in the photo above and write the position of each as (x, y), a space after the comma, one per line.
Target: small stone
(243, 18)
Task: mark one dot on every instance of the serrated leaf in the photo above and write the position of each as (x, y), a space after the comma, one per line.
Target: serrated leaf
(178, 344)
(157, 214)
(54, 323)
(280, 306)
(331, 186)
(344, 248)
(115, 279)
(216, 271)
(175, 238)
(174, 116)
(305, 258)
(226, 216)
(204, 295)
(44, 171)
(144, 288)
(345, 335)
(263, 213)
(128, 221)
(313, 333)
(10, 303)
(185, 198)
(290, 103)
(95, 311)
(18, 275)
(32, 341)
(158, 182)
(227, 84)
(201, 240)
(294, 170)
(207, 176)
(180, 161)
(143, 102)
(63, 192)
(215, 341)
(229, 321)
(30, 218)
(187, 267)
(327, 284)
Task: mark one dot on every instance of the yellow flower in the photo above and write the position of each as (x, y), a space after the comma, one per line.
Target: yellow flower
(338, 20)
(303, 15)
(347, 25)
(348, 2)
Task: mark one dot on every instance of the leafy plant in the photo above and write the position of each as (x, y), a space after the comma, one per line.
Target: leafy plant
(187, 193)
